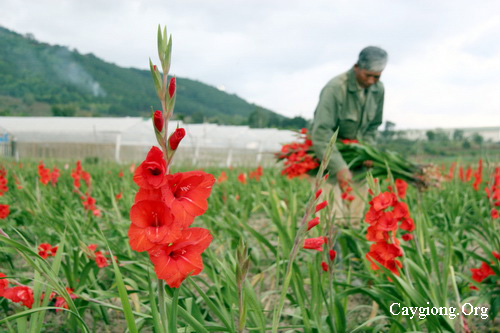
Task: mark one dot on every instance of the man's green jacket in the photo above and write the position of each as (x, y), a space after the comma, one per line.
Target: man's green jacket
(340, 106)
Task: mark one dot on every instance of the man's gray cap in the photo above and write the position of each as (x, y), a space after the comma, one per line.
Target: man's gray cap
(372, 58)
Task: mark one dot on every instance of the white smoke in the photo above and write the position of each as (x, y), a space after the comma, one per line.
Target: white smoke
(69, 70)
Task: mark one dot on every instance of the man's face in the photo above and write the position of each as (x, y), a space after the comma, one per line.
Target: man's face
(365, 77)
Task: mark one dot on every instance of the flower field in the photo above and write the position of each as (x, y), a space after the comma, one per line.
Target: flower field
(155, 247)
(72, 243)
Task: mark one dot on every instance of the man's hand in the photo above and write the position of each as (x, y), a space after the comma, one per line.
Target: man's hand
(344, 176)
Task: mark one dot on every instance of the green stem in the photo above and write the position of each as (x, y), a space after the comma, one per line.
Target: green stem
(172, 322)
(161, 303)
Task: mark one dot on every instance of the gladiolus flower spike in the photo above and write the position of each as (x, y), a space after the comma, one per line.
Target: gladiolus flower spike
(166, 204)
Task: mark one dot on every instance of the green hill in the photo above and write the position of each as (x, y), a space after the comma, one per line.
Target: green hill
(38, 79)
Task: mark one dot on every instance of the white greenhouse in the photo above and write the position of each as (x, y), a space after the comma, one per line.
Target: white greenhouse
(129, 139)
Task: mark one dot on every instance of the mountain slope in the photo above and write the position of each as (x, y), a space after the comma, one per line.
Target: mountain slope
(41, 79)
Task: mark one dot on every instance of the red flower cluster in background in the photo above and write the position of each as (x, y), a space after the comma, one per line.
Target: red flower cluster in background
(478, 176)
(46, 175)
(297, 156)
(3, 181)
(18, 294)
(222, 177)
(242, 178)
(346, 190)
(256, 174)
(25, 296)
(88, 202)
(43, 173)
(465, 176)
(481, 273)
(78, 174)
(4, 211)
(45, 250)
(494, 192)
(164, 208)
(61, 302)
(54, 176)
(99, 258)
(385, 212)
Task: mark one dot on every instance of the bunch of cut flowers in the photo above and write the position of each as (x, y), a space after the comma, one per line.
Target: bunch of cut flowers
(300, 159)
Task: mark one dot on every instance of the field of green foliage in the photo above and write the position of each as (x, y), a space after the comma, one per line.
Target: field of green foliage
(71, 242)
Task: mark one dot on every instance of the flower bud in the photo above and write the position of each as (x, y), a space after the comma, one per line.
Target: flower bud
(311, 224)
(176, 138)
(320, 206)
(158, 120)
(171, 87)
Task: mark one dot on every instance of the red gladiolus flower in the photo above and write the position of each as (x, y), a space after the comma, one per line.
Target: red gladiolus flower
(387, 222)
(479, 274)
(303, 131)
(86, 177)
(400, 211)
(324, 266)
(384, 254)
(20, 294)
(496, 255)
(494, 213)
(401, 187)
(119, 196)
(120, 174)
(43, 250)
(311, 224)
(152, 224)
(257, 173)
(332, 255)
(372, 216)
(4, 284)
(382, 201)
(151, 173)
(101, 260)
(407, 224)
(320, 206)
(242, 178)
(407, 237)
(174, 262)
(373, 234)
(315, 243)
(54, 176)
(158, 120)
(4, 211)
(3, 181)
(92, 247)
(44, 173)
(61, 302)
(318, 193)
(176, 138)
(171, 87)
(187, 194)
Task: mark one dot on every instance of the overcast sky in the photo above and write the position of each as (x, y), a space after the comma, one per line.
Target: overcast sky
(444, 56)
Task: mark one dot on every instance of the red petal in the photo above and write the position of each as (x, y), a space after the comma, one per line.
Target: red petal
(138, 240)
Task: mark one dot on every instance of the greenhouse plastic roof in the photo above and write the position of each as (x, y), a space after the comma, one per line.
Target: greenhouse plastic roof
(136, 131)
